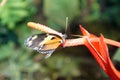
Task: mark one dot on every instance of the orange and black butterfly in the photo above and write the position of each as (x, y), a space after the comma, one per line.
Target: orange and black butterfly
(44, 43)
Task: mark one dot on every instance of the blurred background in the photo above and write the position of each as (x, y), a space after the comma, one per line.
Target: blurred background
(73, 63)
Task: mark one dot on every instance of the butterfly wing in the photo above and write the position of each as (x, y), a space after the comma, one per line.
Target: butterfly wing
(33, 41)
(43, 43)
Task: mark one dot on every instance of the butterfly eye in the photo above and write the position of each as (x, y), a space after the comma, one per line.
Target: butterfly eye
(52, 38)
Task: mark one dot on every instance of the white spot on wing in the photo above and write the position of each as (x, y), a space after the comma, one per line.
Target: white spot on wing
(28, 41)
(34, 37)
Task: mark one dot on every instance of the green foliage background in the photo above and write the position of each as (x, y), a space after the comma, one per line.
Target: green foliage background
(19, 63)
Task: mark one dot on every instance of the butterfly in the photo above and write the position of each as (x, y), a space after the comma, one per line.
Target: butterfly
(45, 43)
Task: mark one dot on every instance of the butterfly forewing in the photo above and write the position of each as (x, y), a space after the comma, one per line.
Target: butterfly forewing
(34, 41)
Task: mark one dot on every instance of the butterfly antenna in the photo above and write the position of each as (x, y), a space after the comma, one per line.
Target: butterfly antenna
(66, 25)
(76, 35)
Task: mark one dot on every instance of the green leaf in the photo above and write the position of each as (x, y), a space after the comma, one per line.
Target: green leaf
(6, 50)
(15, 11)
(117, 55)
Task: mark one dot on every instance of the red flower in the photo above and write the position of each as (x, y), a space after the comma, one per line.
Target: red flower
(99, 49)
(100, 52)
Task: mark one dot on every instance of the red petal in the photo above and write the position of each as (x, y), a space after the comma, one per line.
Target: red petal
(85, 32)
(110, 69)
(94, 49)
(112, 42)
